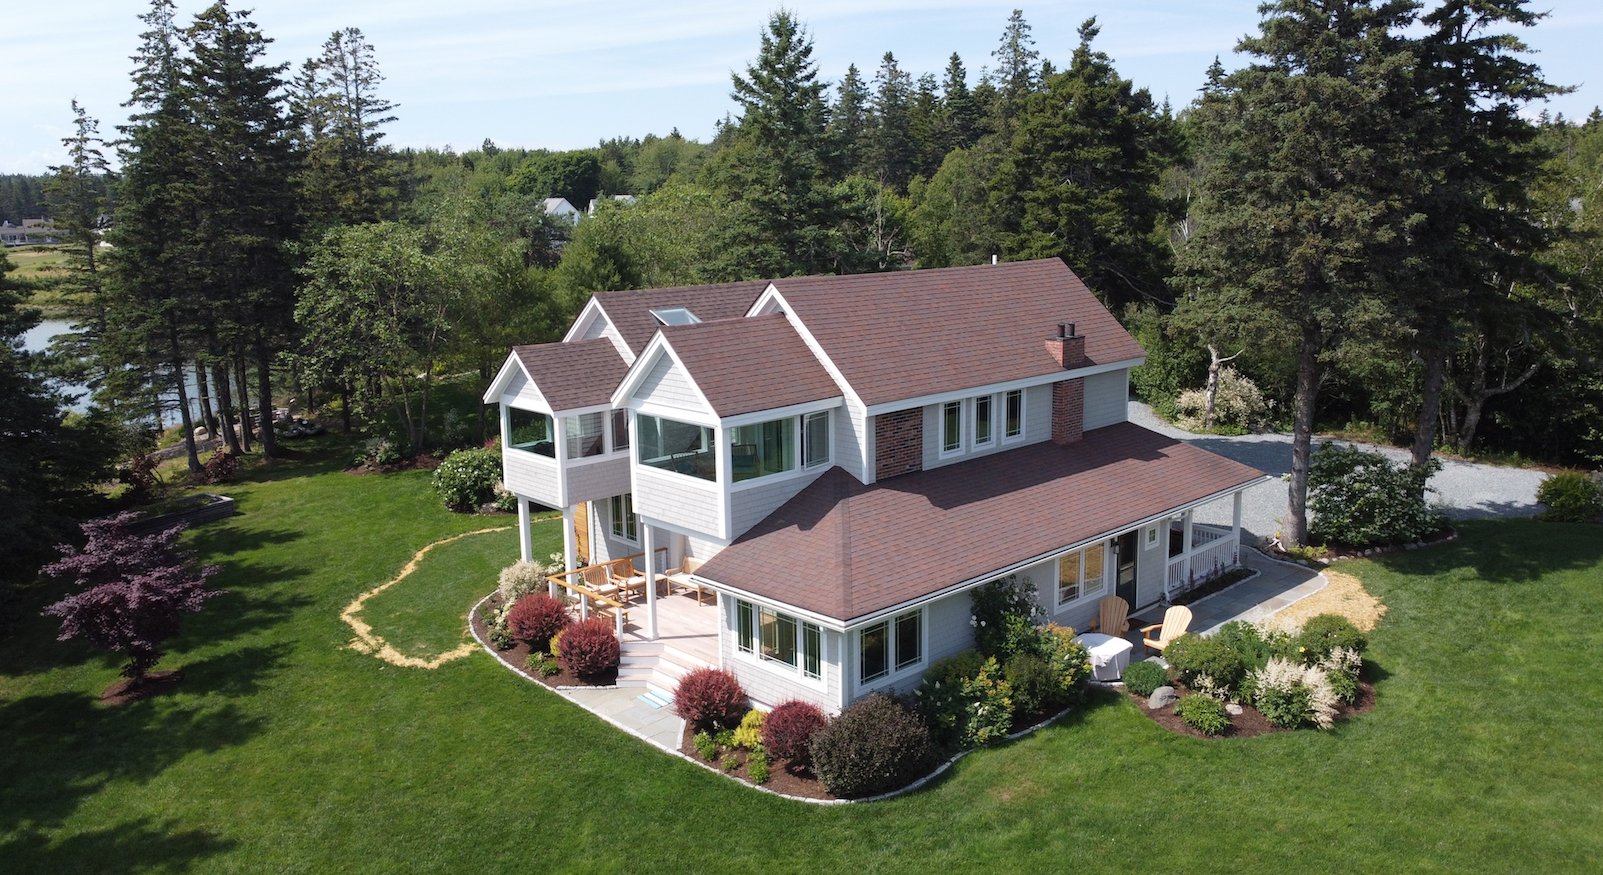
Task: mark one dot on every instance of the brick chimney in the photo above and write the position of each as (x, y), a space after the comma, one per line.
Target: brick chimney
(1067, 348)
(1068, 396)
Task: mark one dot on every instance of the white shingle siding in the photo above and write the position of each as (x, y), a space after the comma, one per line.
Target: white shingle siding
(522, 393)
(600, 327)
(849, 437)
(949, 629)
(702, 548)
(667, 386)
(677, 500)
(748, 507)
(1107, 398)
(593, 481)
(532, 476)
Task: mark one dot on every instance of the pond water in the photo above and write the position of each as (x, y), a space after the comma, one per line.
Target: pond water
(37, 339)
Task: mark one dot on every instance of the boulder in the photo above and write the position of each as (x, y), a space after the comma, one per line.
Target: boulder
(1232, 709)
(1162, 697)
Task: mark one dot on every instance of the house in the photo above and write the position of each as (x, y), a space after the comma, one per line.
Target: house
(839, 460)
(30, 231)
(558, 207)
(622, 200)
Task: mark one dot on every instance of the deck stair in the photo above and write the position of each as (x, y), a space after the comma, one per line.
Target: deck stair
(658, 665)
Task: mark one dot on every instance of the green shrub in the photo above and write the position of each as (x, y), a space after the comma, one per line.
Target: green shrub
(988, 706)
(1324, 633)
(757, 767)
(1034, 683)
(543, 665)
(730, 762)
(467, 478)
(749, 734)
(706, 748)
(1341, 669)
(1143, 677)
(1004, 616)
(874, 746)
(1360, 498)
(1202, 713)
(1250, 642)
(1069, 662)
(379, 452)
(1238, 405)
(1570, 497)
(1196, 656)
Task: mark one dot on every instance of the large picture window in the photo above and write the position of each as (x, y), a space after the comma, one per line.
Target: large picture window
(676, 446)
(1082, 574)
(775, 637)
(762, 449)
(624, 525)
(897, 642)
(530, 431)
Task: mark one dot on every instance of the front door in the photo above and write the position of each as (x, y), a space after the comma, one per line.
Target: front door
(1124, 550)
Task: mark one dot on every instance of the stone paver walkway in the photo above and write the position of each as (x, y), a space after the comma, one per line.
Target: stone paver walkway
(633, 710)
(1277, 585)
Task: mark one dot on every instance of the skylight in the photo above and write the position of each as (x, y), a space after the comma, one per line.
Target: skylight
(675, 316)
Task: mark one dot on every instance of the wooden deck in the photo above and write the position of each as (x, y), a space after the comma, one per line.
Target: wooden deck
(682, 624)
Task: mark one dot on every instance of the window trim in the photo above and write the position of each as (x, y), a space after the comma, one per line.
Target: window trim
(956, 449)
(620, 508)
(1083, 594)
(896, 667)
(749, 643)
(990, 421)
(829, 448)
(1014, 437)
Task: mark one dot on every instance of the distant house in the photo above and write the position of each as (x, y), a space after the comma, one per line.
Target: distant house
(29, 232)
(620, 199)
(838, 460)
(561, 209)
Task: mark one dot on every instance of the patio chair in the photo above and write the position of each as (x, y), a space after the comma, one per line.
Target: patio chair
(680, 577)
(1112, 616)
(622, 573)
(1176, 621)
(597, 581)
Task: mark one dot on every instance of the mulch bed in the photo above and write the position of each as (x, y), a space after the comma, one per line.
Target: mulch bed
(1250, 723)
(152, 684)
(780, 777)
(518, 656)
(420, 462)
(1223, 581)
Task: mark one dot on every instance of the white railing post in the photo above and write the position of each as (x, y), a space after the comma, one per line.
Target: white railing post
(525, 535)
(1187, 547)
(1235, 526)
(570, 545)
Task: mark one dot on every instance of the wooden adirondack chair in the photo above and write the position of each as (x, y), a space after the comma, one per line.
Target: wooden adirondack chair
(1176, 621)
(1112, 616)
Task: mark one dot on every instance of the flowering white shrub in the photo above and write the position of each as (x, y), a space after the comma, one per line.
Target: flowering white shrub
(1238, 403)
(1291, 694)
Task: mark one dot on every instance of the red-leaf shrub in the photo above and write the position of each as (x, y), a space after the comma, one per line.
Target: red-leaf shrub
(788, 731)
(219, 468)
(709, 697)
(589, 648)
(874, 746)
(536, 619)
(133, 590)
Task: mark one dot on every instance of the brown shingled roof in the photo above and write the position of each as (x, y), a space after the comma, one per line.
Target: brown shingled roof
(630, 311)
(569, 375)
(845, 550)
(743, 365)
(914, 333)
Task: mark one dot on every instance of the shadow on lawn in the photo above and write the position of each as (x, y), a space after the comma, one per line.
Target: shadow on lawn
(66, 747)
(1506, 551)
(137, 844)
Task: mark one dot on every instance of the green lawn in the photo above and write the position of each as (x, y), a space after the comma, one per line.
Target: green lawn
(285, 751)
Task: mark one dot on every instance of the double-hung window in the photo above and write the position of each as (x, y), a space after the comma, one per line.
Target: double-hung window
(984, 422)
(1082, 574)
(815, 439)
(951, 427)
(893, 644)
(779, 638)
(624, 526)
(1013, 415)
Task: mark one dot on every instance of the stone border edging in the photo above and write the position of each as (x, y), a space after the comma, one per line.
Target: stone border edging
(1452, 535)
(675, 752)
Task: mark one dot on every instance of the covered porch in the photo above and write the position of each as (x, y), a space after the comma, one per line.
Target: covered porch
(1198, 553)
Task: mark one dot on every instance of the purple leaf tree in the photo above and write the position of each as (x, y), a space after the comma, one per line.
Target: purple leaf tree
(133, 590)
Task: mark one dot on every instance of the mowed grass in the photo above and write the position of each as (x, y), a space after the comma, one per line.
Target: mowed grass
(425, 614)
(285, 751)
(37, 261)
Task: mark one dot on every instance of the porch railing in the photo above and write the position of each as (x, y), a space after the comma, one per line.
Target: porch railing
(1212, 554)
(574, 582)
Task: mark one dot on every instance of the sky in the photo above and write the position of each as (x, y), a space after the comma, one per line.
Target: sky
(567, 74)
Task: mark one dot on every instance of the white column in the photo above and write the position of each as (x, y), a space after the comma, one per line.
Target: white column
(570, 545)
(525, 535)
(1235, 529)
(1186, 543)
(649, 543)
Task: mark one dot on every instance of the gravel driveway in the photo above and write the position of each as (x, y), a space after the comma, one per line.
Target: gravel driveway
(1464, 490)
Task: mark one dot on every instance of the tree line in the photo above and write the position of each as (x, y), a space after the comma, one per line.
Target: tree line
(1361, 218)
